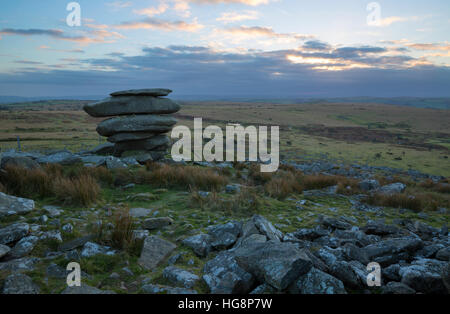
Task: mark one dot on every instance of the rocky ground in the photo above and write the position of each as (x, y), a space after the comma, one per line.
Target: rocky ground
(314, 242)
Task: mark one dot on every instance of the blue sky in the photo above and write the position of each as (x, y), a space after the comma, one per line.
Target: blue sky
(268, 48)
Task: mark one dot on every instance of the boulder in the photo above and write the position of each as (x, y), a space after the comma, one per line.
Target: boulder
(397, 288)
(223, 275)
(115, 163)
(443, 254)
(4, 250)
(143, 145)
(20, 264)
(75, 243)
(19, 161)
(11, 205)
(393, 250)
(200, 243)
(20, 284)
(224, 236)
(62, 158)
(24, 247)
(272, 262)
(103, 149)
(317, 282)
(154, 251)
(310, 234)
(368, 185)
(157, 223)
(91, 249)
(424, 275)
(155, 92)
(180, 277)
(334, 223)
(13, 232)
(381, 229)
(130, 136)
(391, 189)
(128, 105)
(266, 228)
(138, 123)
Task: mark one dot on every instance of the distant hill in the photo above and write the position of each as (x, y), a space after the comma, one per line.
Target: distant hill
(425, 102)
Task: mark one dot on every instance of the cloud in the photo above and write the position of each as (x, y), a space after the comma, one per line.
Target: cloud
(204, 71)
(44, 47)
(228, 17)
(152, 11)
(258, 31)
(26, 62)
(99, 35)
(117, 5)
(246, 2)
(387, 21)
(153, 23)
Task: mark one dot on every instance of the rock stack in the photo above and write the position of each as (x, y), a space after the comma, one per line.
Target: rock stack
(139, 120)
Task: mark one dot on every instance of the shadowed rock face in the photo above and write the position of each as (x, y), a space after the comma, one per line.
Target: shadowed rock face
(131, 136)
(140, 123)
(146, 145)
(156, 92)
(126, 105)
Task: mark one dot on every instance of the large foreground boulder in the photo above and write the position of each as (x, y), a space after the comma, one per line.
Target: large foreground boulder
(13, 232)
(272, 262)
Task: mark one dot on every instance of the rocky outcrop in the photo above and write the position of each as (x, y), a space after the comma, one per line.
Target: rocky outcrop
(139, 119)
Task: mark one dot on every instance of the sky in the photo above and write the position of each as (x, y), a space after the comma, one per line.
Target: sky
(239, 48)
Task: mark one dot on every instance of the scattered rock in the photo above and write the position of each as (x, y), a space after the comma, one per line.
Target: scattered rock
(317, 282)
(19, 161)
(224, 276)
(140, 212)
(154, 251)
(200, 243)
(91, 249)
(390, 189)
(180, 277)
(11, 205)
(224, 236)
(277, 264)
(20, 284)
(13, 232)
(397, 288)
(157, 223)
(24, 247)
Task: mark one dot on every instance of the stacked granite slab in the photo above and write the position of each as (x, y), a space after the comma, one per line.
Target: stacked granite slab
(140, 119)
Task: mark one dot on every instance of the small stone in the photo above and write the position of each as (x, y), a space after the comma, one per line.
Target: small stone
(157, 223)
(180, 277)
(154, 251)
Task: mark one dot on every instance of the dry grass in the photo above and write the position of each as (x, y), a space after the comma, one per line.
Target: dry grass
(183, 177)
(27, 183)
(418, 202)
(83, 190)
(283, 184)
(50, 181)
(122, 234)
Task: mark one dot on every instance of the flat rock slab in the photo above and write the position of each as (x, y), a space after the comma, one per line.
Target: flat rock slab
(138, 123)
(126, 105)
(145, 145)
(11, 205)
(156, 92)
(13, 232)
(155, 250)
(130, 136)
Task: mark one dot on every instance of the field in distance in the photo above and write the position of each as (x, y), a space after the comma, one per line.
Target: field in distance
(374, 134)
